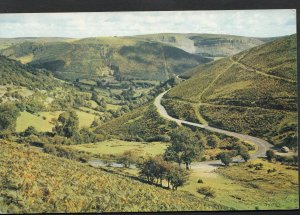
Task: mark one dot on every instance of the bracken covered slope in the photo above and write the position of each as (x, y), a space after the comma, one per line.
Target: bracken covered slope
(33, 182)
(252, 92)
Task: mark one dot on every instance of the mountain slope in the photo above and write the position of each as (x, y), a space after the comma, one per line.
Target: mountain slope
(15, 73)
(35, 182)
(106, 56)
(254, 92)
(213, 45)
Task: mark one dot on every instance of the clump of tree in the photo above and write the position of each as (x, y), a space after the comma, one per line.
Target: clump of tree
(155, 170)
(99, 100)
(67, 124)
(184, 148)
(288, 160)
(8, 118)
(225, 157)
(242, 150)
(128, 158)
(30, 131)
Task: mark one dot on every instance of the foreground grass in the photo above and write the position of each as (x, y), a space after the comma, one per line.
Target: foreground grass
(38, 182)
(241, 187)
(249, 188)
(115, 147)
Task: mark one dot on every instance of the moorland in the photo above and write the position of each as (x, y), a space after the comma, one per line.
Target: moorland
(161, 122)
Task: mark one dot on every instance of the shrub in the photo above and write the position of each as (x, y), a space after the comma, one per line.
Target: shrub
(272, 170)
(270, 155)
(30, 131)
(225, 158)
(208, 192)
(245, 156)
(200, 181)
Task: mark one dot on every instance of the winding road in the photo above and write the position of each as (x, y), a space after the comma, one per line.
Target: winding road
(262, 145)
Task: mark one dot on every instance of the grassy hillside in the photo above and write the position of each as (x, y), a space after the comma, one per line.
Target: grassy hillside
(37, 182)
(15, 73)
(253, 92)
(274, 186)
(141, 123)
(92, 58)
(212, 45)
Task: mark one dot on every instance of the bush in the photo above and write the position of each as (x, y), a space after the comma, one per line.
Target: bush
(272, 170)
(200, 181)
(225, 158)
(208, 192)
(30, 131)
(270, 155)
(245, 156)
(258, 166)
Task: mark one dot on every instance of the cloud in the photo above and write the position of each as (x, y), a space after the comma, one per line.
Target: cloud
(258, 23)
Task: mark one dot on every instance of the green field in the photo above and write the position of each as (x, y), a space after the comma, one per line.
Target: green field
(27, 119)
(115, 147)
(113, 107)
(37, 120)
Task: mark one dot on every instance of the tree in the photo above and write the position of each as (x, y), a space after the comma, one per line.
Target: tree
(242, 150)
(178, 177)
(270, 155)
(212, 141)
(67, 124)
(245, 156)
(87, 135)
(185, 147)
(225, 158)
(127, 158)
(8, 117)
(30, 131)
(147, 170)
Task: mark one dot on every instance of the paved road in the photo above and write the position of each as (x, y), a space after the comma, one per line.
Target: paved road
(262, 145)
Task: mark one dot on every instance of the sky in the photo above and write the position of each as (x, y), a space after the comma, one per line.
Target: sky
(255, 23)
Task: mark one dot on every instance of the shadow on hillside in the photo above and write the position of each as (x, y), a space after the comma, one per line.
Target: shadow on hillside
(131, 177)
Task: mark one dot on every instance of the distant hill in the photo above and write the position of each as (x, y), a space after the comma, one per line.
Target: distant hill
(120, 57)
(15, 73)
(252, 92)
(211, 45)
(35, 182)
(7, 42)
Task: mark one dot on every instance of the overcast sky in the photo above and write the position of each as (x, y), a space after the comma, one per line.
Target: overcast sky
(257, 23)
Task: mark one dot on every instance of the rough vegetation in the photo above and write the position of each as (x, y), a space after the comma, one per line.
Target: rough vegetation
(259, 99)
(36, 182)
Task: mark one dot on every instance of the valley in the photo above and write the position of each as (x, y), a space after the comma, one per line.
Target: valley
(158, 122)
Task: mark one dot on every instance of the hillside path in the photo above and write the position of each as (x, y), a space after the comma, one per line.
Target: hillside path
(262, 145)
(246, 67)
